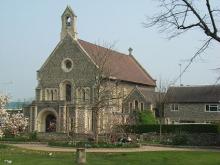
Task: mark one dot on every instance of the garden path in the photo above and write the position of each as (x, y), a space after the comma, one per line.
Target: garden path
(44, 147)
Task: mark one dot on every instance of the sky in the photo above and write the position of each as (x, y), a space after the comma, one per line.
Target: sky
(30, 30)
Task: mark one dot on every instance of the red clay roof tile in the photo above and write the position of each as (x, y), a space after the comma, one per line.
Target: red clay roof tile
(124, 67)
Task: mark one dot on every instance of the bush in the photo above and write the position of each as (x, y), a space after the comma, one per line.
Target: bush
(61, 144)
(33, 135)
(94, 145)
(15, 139)
(21, 138)
(186, 128)
(3, 146)
(179, 139)
(146, 117)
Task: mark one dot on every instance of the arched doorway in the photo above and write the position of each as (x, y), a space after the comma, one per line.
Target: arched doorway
(50, 123)
(47, 120)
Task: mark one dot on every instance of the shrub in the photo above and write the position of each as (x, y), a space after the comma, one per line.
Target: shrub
(3, 146)
(94, 145)
(61, 144)
(146, 117)
(32, 135)
(15, 139)
(186, 128)
(179, 139)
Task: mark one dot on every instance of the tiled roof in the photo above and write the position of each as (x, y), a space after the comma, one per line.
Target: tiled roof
(149, 95)
(124, 67)
(194, 94)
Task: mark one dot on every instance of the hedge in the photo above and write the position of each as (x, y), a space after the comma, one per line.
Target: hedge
(186, 128)
(94, 145)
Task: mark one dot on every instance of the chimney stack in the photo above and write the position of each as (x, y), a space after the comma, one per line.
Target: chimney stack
(130, 50)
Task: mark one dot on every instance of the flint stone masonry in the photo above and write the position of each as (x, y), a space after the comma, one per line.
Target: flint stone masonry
(59, 106)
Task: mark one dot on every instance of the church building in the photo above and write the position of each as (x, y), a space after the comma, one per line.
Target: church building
(78, 77)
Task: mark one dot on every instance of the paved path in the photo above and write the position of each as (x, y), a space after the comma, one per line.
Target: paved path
(44, 147)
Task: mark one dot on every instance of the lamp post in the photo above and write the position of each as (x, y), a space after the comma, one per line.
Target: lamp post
(180, 65)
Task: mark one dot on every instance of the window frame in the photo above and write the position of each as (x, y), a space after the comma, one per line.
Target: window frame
(209, 106)
(142, 106)
(174, 107)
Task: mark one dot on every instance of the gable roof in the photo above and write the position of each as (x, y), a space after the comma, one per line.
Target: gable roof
(145, 93)
(194, 94)
(125, 67)
(150, 96)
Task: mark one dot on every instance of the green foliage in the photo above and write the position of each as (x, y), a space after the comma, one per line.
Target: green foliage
(179, 139)
(22, 138)
(15, 139)
(185, 128)
(3, 146)
(61, 144)
(32, 135)
(146, 117)
(94, 145)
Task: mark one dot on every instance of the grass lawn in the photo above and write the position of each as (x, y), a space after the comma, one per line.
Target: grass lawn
(27, 157)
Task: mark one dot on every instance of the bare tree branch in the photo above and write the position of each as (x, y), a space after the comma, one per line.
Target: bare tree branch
(201, 50)
(182, 15)
(211, 16)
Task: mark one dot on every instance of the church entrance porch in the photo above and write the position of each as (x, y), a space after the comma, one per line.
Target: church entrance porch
(47, 120)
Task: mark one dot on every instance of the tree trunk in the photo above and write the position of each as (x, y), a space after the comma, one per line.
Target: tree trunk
(96, 125)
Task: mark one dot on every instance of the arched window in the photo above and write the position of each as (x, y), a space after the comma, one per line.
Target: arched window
(52, 96)
(68, 20)
(87, 94)
(48, 95)
(83, 95)
(136, 105)
(68, 92)
(55, 94)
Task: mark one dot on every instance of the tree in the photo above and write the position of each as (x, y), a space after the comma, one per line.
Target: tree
(160, 100)
(106, 95)
(4, 116)
(180, 16)
(16, 124)
(11, 124)
(146, 117)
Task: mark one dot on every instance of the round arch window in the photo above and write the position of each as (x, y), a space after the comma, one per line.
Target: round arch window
(67, 65)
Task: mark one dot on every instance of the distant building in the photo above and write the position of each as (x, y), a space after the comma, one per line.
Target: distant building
(192, 104)
(15, 106)
(66, 83)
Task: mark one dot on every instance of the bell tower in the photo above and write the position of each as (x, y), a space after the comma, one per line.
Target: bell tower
(68, 23)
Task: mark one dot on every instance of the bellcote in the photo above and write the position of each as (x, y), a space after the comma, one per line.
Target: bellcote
(68, 23)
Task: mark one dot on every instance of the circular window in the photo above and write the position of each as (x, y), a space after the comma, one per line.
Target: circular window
(67, 65)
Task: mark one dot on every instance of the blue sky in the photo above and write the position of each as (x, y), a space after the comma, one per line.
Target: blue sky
(30, 30)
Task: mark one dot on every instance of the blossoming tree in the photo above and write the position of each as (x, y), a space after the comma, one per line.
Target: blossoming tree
(13, 124)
